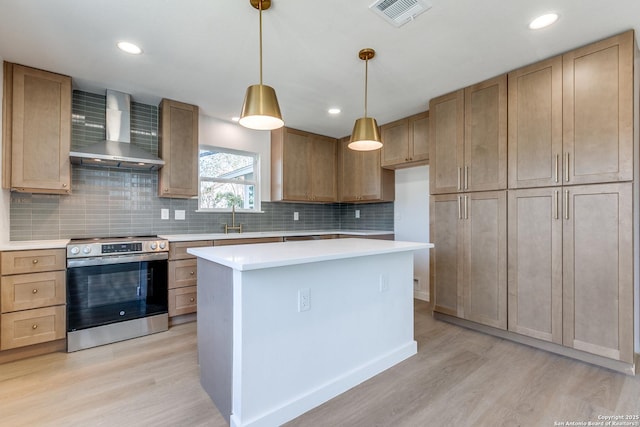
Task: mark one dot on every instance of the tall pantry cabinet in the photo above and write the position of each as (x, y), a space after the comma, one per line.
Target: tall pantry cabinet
(570, 210)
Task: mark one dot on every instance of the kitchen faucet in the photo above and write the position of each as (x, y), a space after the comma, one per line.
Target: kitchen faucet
(233, 222)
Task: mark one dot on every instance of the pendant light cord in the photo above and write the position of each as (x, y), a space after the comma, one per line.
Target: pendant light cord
(366, 79)
(260, 9)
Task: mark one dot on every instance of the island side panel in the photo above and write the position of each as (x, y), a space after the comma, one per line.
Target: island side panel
(215, 333)
(360, 322)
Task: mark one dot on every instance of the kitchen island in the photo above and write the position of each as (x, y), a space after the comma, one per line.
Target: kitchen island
(284, 327)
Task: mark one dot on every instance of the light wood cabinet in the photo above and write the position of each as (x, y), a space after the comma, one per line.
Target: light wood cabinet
(182, 274)
(571, 117)
(535, 263)
(535, 125)
(37, 130)
(303, 166)
(32, 297)
(469, 262)
(362, 179)
(405, 142)
(598, 110)
(178, 147)
(598, 270)
(468, 139)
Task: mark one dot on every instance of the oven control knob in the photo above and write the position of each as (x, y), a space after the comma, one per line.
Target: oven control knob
(75, 250)
(163, 245)
(154, 246)
(86, 250)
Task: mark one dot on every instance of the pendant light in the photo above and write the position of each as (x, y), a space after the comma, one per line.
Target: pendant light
(260, 109)
(365, 135)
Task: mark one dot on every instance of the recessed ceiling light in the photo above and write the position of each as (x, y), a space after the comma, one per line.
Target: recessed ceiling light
(129, 48)
(543, 21)
(334, 111)
(235, 119)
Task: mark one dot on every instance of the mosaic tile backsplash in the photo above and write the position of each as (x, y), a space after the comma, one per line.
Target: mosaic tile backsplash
(109, 202)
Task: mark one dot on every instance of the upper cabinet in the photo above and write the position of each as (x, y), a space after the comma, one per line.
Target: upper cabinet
(535, 125)
(178, 147)
(37, 130)
(571, 117)
(303, 166)
(406, 142)
(468, 138)
(362, 179)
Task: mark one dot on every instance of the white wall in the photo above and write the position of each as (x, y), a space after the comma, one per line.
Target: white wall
(220, 133)
(4, 194)
(411, 209)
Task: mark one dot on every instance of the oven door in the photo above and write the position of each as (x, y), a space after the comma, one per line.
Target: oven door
(112, 289)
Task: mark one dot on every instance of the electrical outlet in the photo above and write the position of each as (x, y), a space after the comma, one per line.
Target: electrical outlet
(357, 213)
(304, 300)
(296, 216)
(384, 283)
(179, 214)
(164, 213)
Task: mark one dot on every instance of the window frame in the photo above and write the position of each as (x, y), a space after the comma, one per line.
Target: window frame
(257, 200)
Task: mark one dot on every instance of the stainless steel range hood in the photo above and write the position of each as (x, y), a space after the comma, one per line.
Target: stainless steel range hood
(117, 150)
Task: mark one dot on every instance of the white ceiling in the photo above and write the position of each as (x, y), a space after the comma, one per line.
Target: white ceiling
(205, 52)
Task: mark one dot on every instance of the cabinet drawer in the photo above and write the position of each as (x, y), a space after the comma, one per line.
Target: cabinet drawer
(182, 301)
(183, 273)
(178, 250)
(30, 327)
(18, 262)
(247, 241)
(25, 291)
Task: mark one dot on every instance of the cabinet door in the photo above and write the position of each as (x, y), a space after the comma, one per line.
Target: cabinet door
(598, 270)
(324, 172)
(446, 143)
(485, 258)
(370, 175)
(40, 131)
(350, 167)
(535, 125)
(395, 140)
(446, 257)
(485, 135)
(419, 137)
(296, 165)
(179, 149)
(598, 111)
(535, 263)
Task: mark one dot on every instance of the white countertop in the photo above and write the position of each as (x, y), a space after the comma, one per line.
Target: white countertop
(269, 255)
(24, 245)
(258, 234)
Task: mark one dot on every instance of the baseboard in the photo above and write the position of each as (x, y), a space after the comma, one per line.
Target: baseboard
(615, 365)
(183, 318)
(33, 350)
(329, 390)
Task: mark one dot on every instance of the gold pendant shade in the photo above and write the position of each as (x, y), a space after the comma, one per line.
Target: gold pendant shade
(260, 110)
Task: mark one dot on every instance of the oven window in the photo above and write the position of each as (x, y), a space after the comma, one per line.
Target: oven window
(100, 295)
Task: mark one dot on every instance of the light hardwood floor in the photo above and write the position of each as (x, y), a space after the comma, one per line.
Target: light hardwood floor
(458, 378)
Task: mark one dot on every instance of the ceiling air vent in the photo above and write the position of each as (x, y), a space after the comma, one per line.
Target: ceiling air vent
(399, 12)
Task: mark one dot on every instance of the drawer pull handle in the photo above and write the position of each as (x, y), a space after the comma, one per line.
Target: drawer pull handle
(35, 291)
(35, 261)
(35, 326)
(191, 299)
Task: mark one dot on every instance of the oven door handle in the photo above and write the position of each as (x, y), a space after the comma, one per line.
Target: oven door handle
(116, 259)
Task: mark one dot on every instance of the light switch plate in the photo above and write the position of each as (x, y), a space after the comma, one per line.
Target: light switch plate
(164, 213)
(179, 215)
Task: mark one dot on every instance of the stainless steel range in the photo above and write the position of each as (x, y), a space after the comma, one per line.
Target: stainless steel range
(116, 290)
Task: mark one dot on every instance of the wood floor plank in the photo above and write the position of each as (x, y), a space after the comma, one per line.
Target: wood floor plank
(458, 378)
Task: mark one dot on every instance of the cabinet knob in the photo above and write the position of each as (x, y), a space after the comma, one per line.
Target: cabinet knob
(166, 189)
(35, 261)
(64, 185)
(191, 299)
(191, 273)
(35, 326)
(35, 291)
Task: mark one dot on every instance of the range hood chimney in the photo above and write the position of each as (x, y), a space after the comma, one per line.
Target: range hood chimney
(117, 150)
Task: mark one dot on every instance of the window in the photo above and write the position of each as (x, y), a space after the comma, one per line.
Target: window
(228, 178)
